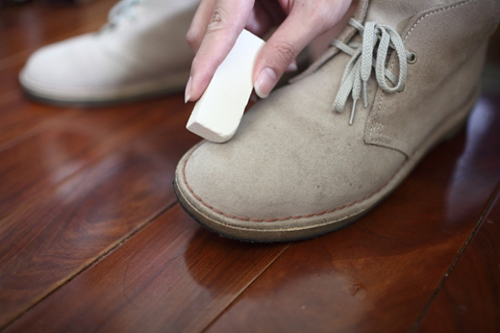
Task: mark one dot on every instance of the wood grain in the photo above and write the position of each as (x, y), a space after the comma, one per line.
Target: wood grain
(48, 241)
(19, 118)
(469, 300)
(378, 274)
(172, 277)
(48, 157)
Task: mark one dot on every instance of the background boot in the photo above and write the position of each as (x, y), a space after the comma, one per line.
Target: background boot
(142, 51)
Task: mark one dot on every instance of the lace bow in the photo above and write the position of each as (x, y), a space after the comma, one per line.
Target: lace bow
(379, 39)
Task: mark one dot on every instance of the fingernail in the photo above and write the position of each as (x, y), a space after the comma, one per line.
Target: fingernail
(187, 94)
(292, 67)
(265, 82)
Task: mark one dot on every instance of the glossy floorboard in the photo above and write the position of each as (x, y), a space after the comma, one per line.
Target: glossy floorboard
(92, 239)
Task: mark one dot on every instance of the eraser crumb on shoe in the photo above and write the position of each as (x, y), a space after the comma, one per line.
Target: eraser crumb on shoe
(217, 114)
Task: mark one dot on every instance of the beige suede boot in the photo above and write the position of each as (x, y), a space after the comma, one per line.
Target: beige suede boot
(404, 74)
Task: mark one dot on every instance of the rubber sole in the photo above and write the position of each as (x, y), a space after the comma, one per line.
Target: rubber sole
(170, 85)
(265, 235)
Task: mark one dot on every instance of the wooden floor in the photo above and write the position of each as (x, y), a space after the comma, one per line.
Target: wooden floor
(92, 238)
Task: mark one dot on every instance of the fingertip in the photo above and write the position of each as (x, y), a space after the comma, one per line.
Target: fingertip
(196, 86)
(266, 80)
(293, 67)
(187, 93)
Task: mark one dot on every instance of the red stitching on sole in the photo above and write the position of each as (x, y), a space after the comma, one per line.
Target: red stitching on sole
(282, 219)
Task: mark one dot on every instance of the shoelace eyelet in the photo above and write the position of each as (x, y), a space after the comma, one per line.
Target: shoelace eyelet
(413, 58)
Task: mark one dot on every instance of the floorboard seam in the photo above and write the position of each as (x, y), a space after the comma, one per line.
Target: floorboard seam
(479, 223)
(113, 248)
(246, 287)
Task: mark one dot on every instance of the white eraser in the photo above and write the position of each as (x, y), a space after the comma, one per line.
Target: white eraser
(217, 114)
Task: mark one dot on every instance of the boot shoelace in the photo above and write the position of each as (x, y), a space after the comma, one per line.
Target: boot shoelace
(123, 9)
(377, 38)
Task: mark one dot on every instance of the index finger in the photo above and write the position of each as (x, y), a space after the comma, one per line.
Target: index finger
(228, 20)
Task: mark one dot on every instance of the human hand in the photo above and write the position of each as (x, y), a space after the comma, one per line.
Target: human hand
(218, 23)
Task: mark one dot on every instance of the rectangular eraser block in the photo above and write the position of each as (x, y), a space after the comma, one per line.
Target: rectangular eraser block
(217, 114)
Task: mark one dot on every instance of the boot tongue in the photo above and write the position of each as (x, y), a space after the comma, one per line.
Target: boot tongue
(359, 15)
(345, 36)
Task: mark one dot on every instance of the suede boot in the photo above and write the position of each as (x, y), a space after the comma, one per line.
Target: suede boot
(142, 51)
(321, 152)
